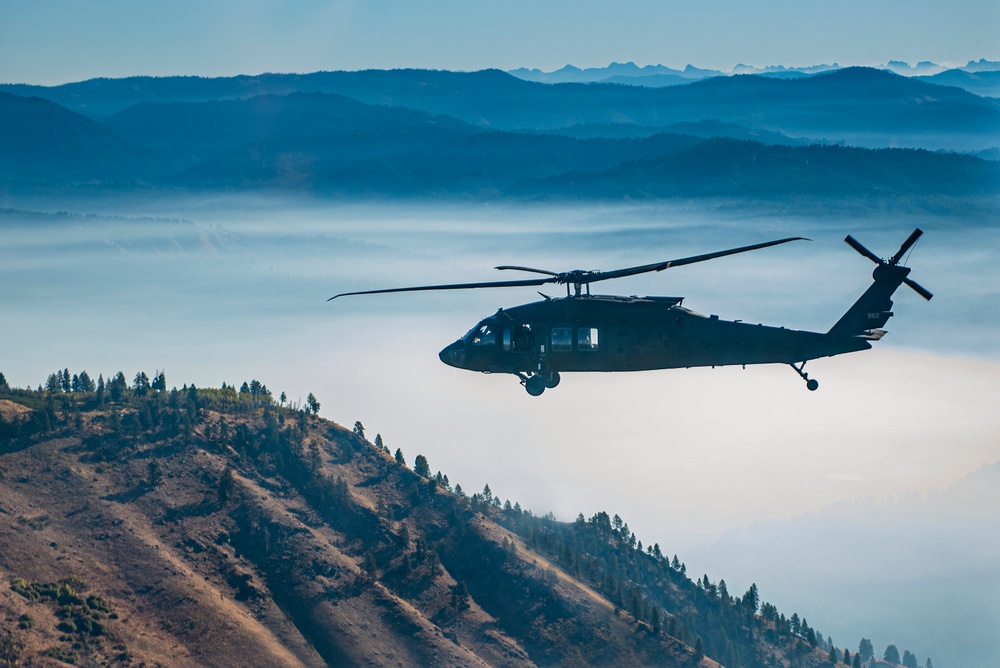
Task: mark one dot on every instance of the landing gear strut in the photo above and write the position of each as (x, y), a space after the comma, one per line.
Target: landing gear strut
(811, 383)
(537, 383)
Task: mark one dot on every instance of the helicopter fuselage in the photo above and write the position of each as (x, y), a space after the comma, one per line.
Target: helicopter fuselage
(610, 333)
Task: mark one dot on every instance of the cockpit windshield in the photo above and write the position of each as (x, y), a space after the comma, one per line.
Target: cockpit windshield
(481, 335)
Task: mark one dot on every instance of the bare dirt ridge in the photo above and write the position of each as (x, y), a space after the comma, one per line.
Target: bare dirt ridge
(203, 529)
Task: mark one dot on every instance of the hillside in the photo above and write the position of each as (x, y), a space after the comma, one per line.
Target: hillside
(42, 141)
(220, 527)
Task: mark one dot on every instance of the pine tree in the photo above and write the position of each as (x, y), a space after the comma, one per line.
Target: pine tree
(866, 650)
(226, 485)
(891, 654)
(86, 382)
(421, 467)
(460, 596)
(370, 567)
(399, 457)
(53, 383)
(118, 387)
(154, 472)
(752, 598)
(159, 382)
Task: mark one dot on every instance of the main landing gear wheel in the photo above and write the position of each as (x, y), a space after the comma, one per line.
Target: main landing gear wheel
(550, 379)
(535, 385)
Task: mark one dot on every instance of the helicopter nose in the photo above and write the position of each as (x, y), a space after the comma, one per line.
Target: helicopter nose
(454, 354)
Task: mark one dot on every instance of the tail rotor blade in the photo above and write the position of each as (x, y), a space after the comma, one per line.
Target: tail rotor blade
(912, 239)
(919, 289)
(856, 245)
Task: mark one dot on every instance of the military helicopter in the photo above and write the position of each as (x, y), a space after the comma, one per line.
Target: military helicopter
(588, 332)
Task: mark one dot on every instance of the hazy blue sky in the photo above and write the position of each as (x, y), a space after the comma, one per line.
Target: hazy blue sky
(56, 41)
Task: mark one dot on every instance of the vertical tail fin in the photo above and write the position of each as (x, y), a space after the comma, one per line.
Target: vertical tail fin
(874, 307)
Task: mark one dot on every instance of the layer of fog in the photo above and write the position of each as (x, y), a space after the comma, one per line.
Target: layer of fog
(918, 571)
(225, 291)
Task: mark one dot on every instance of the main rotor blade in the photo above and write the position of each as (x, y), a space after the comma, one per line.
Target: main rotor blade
(856, 245)
(919, 289)
(910, 240)
(660, 266)
(453, 286)
(537, 271)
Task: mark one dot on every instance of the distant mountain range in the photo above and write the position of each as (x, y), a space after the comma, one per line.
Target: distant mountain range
(981, 77)
(660, 75)
(488, 134)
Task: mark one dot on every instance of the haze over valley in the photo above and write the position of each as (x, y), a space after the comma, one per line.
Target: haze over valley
(196, 225)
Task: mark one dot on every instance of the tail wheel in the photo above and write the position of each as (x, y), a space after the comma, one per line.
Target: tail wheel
(811, 383)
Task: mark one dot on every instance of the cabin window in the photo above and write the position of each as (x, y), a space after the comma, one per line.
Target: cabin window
(484, 336)
(524, 340)
(506, 339)
(562, 338)
(587, 339)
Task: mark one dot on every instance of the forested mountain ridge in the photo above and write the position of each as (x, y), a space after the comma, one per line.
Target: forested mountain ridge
(223, 527)
(856, 100)
(329, 145)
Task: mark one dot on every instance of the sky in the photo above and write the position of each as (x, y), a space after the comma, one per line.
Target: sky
(58, 41)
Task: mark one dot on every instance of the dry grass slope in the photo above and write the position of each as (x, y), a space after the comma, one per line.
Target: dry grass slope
(211, 530)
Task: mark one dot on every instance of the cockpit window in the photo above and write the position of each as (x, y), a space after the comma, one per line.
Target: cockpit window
(483, 336)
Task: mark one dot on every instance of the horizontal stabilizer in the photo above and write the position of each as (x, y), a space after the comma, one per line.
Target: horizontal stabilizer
(873, 334)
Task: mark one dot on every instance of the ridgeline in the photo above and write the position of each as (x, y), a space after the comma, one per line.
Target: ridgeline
(854, 139)
(221, 527)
